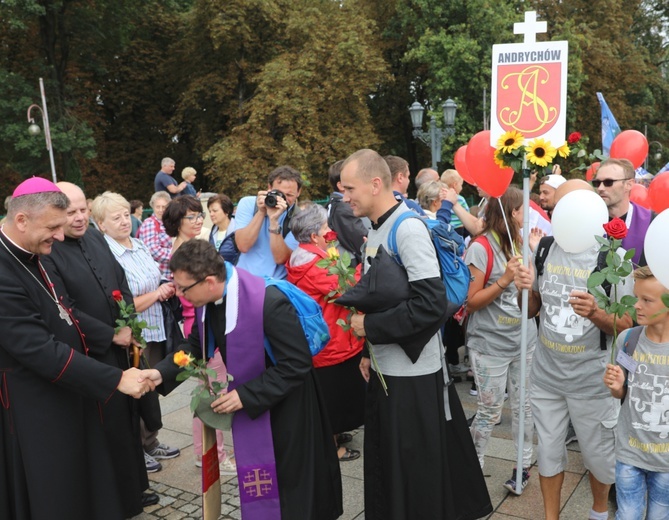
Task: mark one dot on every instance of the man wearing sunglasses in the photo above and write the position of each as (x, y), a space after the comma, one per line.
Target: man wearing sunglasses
(613, 181)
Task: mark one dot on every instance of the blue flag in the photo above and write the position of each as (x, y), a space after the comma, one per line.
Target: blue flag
(665, 168)
(610, 127)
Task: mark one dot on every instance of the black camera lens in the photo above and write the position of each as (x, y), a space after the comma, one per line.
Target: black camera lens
(271, 198)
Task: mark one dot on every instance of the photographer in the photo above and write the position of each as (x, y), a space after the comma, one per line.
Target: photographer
(263, 224)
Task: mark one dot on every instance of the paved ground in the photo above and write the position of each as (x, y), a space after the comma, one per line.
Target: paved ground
(178, 484)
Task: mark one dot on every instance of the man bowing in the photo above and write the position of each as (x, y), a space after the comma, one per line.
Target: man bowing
(280, 428)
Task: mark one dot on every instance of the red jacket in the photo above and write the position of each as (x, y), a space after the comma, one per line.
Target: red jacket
(317, 283)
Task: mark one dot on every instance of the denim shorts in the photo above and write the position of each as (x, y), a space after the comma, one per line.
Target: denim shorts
(638, 489)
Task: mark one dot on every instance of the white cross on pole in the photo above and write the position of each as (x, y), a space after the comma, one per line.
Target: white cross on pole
(530, 27)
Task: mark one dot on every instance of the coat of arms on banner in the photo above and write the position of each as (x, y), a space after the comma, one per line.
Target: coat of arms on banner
(529, 90)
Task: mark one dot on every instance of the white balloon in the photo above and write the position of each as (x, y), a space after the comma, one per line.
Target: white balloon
(577, 218)
(656, 247)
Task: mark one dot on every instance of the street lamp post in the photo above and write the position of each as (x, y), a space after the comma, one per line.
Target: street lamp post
(436, 135)
(34, 129)
(658, 154)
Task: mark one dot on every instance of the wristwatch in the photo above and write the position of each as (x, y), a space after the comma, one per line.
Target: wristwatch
(276, 231)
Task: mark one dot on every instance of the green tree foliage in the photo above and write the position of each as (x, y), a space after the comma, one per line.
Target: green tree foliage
(308, 107)
(454, 44)
(615, 46)
(237, 87)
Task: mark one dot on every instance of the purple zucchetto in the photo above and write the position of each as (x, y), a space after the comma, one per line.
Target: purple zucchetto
(35, 185)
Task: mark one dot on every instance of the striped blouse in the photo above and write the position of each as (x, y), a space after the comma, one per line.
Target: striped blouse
(143, 277)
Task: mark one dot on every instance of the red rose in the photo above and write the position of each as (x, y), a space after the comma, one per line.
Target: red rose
(574, 138)
(616, 229)
(117, 296)
(330, 236)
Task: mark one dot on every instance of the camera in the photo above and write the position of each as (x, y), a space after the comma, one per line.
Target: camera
(271, 198)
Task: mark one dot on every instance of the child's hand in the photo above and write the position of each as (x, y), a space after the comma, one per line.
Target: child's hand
(614, 378)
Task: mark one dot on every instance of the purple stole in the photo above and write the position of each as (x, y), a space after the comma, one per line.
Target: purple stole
(245, 360)
(636, 233)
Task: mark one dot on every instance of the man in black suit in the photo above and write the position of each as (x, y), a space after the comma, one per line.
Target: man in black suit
(84, 268)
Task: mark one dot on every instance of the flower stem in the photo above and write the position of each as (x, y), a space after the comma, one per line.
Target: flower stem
(615, 330)
(376, 368)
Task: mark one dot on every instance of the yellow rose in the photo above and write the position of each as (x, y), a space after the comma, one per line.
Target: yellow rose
(333, 253)
(181, 359)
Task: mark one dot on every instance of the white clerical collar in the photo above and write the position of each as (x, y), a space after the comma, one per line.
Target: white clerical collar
(231, 295)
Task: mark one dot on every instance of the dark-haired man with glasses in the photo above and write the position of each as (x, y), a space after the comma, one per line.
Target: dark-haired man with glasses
(281, 430)
(613, 181)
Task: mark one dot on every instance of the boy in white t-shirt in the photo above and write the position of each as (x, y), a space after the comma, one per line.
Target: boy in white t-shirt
(642, 434)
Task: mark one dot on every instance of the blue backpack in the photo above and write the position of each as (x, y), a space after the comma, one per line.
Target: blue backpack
(450, 248)
(308, 312)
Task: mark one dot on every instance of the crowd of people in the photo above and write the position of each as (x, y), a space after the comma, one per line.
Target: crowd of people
(67, 364)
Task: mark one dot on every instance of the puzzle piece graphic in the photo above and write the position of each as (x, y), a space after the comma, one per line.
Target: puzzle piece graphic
(657, 420)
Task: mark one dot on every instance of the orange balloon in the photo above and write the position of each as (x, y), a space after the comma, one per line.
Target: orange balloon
(461, 165)
(632, 145)
(592, 171)
(482, 168)
(658, 192)
(639, 195)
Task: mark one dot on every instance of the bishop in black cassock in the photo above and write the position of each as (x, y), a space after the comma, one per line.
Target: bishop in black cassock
(54, 458)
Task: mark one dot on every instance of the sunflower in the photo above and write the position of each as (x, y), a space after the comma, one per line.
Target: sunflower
(510, 141)
(499, 161)
(564, 150)
(540, 152)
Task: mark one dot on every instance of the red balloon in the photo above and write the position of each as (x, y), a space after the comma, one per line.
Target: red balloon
(592, 171)
(639, 195)
(461, 165)
(482, 168)
(658, 192)
(632, 145)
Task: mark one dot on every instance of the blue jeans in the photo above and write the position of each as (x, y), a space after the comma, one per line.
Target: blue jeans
(635, 487)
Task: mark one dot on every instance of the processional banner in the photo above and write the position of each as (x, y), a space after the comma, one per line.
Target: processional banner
(529, 90)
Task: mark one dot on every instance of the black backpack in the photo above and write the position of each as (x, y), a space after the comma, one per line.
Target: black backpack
(540, 259)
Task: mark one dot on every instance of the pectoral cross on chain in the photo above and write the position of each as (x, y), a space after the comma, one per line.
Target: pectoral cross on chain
(64, 315)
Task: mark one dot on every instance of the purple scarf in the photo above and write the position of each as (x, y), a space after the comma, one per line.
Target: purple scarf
(245, 360)
(636, 234)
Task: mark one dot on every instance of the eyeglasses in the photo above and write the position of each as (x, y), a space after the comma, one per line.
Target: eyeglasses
(194, 217)
(184, 289)
(606, 182)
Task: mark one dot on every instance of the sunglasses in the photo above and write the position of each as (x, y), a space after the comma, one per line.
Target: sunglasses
(606, 182)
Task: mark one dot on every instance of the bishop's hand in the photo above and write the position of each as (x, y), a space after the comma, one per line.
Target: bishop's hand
(134, 385)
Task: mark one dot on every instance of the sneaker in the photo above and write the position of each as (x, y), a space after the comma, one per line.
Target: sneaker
(571, 435)
(228, 467)
(460, 368)
(198, 461)
(511, 483)
(473, 390)
(152, 465)
(164, 452)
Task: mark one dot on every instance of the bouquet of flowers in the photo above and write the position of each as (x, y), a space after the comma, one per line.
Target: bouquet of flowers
(206, 392)
(615, 271)
(340, 265)
(128, 318)
(540, 154)
(513, 154)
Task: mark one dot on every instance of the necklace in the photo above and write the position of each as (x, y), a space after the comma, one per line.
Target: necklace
(62, 312)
